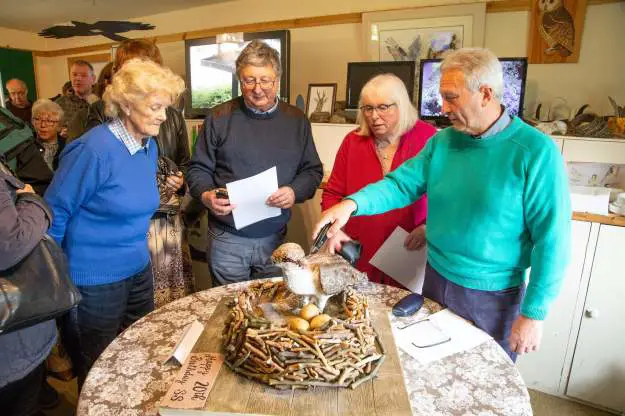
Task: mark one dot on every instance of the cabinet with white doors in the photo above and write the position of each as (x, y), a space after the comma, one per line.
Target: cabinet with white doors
(582, 351)
(597, 372)
(543, 370)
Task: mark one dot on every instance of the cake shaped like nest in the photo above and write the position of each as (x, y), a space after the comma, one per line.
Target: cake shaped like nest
(344, 352)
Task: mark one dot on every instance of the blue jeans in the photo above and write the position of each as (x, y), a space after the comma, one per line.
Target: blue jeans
(493, 312)
(103, 312)
(233, 258)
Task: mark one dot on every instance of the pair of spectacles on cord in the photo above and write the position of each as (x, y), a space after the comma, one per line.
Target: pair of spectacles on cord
(264, 84)
(380, 109)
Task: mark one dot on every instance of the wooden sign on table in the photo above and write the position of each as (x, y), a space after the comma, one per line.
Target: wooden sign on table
(232, 393)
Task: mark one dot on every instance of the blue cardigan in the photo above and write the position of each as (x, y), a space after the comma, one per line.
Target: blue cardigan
(103, 198)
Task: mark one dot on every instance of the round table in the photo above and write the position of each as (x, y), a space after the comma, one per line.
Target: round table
(130, 377)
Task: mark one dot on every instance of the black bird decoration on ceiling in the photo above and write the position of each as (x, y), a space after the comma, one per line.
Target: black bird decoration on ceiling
(107, 28)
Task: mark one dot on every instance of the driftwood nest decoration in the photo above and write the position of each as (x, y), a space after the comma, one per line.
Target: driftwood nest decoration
(264, 342)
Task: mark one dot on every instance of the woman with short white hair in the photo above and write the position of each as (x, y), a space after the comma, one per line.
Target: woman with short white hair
(47, 118)
(103, 196)
(389, 134)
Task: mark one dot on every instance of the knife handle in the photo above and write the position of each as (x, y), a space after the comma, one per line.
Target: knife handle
(322, 236)
(350, 251)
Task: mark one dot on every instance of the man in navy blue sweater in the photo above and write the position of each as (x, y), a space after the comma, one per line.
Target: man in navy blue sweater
(241, 138)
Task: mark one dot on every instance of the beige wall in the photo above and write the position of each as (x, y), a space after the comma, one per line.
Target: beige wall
(600, 71)
(52, 73)
(320, 54)
(248, 11)
(18, 39)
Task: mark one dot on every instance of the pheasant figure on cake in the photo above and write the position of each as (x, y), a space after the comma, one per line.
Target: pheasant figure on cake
(320, 275)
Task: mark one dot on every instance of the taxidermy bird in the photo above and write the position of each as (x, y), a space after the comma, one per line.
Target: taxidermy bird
(320, 275)
(556, 27)
(107, 28)
(441, 43)
(400, 54)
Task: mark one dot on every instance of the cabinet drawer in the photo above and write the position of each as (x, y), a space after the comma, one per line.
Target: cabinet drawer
(595, 151)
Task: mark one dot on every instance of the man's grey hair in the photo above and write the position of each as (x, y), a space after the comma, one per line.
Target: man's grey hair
(22, 83)
(258, 53)
(44, 105)
(82, 62)
(480, 68)
(394, 88)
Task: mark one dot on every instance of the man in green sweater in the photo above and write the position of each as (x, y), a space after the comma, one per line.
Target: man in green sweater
(498, 203)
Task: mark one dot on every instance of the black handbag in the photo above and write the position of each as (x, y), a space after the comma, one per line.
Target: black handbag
(36, 289)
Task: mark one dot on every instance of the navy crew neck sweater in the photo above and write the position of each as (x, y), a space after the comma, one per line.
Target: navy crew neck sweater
(236, 143)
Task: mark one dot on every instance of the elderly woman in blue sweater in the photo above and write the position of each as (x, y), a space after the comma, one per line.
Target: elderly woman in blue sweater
(103, 196)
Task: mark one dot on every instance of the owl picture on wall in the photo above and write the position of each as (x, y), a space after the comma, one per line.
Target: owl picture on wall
(556, 27)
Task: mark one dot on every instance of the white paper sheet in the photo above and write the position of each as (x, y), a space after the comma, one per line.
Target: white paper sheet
(407, 267)
(249, 196)
(436, 329)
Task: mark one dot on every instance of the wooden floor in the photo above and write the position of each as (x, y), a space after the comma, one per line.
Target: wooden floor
(546, 405)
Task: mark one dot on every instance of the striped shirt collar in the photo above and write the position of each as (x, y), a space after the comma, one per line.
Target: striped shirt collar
(119, 131)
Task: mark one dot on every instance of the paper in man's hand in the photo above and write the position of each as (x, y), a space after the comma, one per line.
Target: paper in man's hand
(250, 194)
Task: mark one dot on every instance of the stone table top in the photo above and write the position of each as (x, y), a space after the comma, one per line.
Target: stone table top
(130, 377)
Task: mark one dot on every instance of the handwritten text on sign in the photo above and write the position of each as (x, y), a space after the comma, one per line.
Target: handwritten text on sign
(194, 381)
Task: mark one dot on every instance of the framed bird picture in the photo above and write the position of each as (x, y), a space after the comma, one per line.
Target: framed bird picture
(555, 31)
(420, 33)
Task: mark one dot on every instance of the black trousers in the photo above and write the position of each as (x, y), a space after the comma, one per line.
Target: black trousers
(103, 311)
(21, 398)
(493, 312)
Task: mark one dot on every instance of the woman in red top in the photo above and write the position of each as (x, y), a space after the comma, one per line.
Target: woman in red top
(389, 134)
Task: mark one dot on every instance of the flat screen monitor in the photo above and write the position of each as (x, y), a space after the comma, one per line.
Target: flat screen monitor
(430, 101)
(211, 75)
(358, 73)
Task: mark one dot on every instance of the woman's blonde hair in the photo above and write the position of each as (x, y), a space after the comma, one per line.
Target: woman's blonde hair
(394, 88)
(135, 80)
(43, 105)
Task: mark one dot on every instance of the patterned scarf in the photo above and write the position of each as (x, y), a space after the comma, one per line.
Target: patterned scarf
(49, 152)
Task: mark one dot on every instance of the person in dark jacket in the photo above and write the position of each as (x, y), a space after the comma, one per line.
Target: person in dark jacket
(24, 219)
(47, 118)
(18, 103)
(169, 250)
(38, 159)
